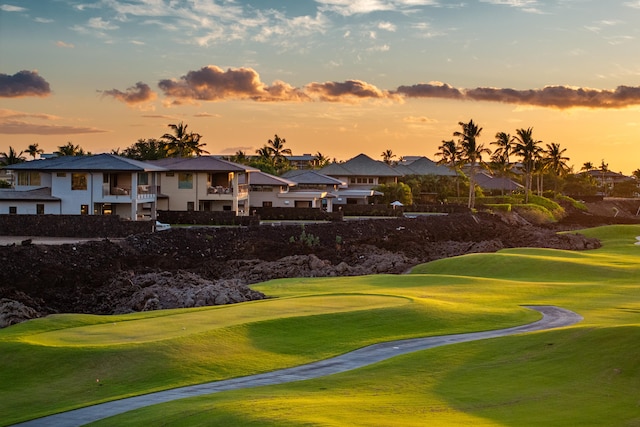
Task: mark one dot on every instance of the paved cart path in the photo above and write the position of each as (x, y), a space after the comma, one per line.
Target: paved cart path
(553, 317)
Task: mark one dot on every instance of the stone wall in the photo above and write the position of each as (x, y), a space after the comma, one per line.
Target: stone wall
(206, 218)
(71, 226)
(296, 214)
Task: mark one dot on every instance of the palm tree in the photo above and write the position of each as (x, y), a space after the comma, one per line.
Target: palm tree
(12, 157)
(277, 148)
(504, 141)
(604, 168)
(146, 149)
(528, 150)
(240, 157)
(501, 166)
(320, 161)
(587, 166)
(182, 143)
(387, 156)
(70, 150)
(33, 150)
(450, 153)
(471, 154)
(557, 162)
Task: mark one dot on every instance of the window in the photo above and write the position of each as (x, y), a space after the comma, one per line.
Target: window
(168, 174)
(13, 210)
(143, 178)
(78, 181)
(61, 174)
(191, 206)
(28, 178)
(84, 209)
(267, 204)
(40, 208)
(185, 181)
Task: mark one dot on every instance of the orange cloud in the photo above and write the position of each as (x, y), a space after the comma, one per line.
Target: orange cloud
(141, 92)
(347, 91)
(23, 83)
(561, 96)
(211, 83)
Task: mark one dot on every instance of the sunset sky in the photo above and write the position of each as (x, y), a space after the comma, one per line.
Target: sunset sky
(332, 76)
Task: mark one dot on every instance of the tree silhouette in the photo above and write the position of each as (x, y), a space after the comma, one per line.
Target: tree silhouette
(182, 143)
(146, 149)
(33, 150)
(70, 150)
(528, 149)
(471, 154)
(11, 157)
(320, 161)
(451, 156)
(557, 161)
(387, 156)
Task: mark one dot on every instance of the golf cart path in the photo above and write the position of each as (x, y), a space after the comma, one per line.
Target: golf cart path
(553, 317)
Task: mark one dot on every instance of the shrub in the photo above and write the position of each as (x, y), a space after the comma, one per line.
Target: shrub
(571, 201)
(534, 213)
(499, 207)
(554, 208)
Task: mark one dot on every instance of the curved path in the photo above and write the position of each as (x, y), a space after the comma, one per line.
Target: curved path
(553, 317)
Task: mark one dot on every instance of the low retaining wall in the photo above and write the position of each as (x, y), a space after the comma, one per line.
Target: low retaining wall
(71, 226)
(296, 214)
(207, 218)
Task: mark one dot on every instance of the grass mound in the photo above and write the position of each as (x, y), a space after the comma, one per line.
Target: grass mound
(581, 375)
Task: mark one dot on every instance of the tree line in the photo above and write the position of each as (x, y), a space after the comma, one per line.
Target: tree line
(514, 155)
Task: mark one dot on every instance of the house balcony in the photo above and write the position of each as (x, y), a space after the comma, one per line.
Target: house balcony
(124, 194)
(227, 193)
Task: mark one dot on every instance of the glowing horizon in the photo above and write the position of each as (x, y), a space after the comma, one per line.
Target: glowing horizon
(331, 76)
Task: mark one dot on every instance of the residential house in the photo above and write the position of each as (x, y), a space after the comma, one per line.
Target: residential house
(422, 166)
(266, 190)
(360, 175)
(304, 161)
(102, 184)
(312, 189)
(492, 184)
(204, 183)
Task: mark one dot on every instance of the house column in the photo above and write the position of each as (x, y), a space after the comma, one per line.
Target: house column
(236, 192)
(134, 196)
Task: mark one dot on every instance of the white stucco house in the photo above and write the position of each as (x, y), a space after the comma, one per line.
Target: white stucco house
(103, 184)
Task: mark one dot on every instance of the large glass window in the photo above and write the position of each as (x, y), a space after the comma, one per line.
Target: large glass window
(185, 180)
(28, 178)
(78, 181)
(143, 178)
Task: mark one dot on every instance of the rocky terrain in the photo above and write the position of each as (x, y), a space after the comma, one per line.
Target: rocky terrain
(189, 267)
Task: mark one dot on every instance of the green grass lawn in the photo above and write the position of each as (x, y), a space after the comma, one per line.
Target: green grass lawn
(587, 374)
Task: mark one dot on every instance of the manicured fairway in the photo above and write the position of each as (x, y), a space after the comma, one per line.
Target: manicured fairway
(588, 374)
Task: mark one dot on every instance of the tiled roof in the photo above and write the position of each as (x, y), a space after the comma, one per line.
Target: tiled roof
(361, 165)
(489, 182)
(310, 177)
(262, 178)
(424, 166)
(98, 162)
(38, 194)
(202, 164)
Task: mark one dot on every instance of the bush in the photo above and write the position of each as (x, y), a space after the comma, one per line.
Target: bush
(499, 207)
(534, 213)
(554, 208)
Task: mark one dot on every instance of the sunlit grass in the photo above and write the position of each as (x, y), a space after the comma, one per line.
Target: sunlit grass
(587, 374)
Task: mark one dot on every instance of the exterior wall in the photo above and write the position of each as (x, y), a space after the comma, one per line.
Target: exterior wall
(214, 192)
(72, 200)
(257, 198)
(29, 207)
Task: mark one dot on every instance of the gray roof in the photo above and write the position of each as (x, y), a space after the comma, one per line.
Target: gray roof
(424, 166)
(98, 162)
(262, 178)
(38, 194)
(489, 182)
(310, 177)
(361, 165)
(203, 164)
